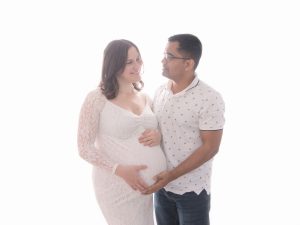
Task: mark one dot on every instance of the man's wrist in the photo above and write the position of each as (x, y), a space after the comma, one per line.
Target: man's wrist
(172, 175)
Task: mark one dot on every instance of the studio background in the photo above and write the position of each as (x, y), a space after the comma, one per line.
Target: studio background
(50, 58)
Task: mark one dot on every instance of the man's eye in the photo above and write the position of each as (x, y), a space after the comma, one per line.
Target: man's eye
(169, 56)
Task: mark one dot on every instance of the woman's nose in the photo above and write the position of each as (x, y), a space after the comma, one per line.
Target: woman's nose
(137, 66)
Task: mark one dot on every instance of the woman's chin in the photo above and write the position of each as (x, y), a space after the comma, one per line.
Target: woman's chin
(136, 79)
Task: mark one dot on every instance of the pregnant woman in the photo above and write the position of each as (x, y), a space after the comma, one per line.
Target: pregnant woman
(112, 119)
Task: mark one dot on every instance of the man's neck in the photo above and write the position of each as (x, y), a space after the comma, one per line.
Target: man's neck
(178, 86)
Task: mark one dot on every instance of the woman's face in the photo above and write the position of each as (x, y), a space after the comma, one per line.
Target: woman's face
(132, 70)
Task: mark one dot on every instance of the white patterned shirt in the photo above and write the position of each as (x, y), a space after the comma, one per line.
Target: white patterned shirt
(181, 116)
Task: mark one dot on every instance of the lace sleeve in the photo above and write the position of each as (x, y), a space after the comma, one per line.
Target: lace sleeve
(88, 129)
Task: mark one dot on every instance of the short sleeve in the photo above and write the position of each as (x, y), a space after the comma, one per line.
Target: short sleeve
(212, 113)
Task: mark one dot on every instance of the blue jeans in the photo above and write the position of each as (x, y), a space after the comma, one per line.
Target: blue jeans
(186, 209)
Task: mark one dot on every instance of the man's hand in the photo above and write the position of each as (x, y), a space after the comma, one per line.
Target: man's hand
(162, 179)
(131, 175)
(150, 137)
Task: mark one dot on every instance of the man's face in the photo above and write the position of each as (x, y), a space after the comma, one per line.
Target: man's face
(174, 62)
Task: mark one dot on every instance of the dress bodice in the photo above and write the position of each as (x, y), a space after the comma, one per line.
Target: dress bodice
(121, 123)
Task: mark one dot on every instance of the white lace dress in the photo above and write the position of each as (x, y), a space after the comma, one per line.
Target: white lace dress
(108, 135)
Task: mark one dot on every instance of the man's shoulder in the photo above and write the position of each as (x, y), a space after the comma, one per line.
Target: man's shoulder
(208, 93)
(204, 87)
(161, 88)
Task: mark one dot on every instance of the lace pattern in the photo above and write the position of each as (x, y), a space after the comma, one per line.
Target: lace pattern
(108, 134)
(88, 130)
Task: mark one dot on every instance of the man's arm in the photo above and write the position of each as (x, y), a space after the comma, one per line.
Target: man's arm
(210, 145)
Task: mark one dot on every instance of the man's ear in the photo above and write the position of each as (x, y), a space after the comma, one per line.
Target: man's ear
(189, 64)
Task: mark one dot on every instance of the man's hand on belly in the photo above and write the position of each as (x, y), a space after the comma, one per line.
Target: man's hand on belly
(162, 179)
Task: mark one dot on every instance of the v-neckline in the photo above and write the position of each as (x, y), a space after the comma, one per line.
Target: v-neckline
(128, 111)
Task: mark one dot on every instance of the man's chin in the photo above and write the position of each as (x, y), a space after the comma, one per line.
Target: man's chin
(164, 73)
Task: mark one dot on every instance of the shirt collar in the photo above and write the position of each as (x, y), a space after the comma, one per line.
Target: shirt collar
(193, 84)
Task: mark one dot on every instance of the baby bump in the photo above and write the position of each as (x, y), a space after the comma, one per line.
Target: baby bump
(155, 161)
(152, 157)
(131, 152)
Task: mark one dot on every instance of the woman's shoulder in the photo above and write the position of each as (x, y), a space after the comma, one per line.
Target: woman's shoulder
(96, 94)
(95, 97)
(146, 98)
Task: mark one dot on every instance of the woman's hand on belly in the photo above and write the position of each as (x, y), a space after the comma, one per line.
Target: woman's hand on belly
(131, 175)
(150, 137)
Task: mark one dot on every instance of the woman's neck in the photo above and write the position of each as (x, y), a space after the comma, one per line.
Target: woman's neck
(126, 89)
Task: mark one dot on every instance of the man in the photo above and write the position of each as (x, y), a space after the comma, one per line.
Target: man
(190, 115)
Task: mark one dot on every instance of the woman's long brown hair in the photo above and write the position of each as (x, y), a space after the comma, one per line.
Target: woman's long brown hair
(114, 62)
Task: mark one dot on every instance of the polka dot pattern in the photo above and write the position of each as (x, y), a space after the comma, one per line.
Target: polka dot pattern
(181, 116)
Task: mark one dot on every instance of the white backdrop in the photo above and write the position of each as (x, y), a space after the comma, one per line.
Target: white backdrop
(50, 58)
